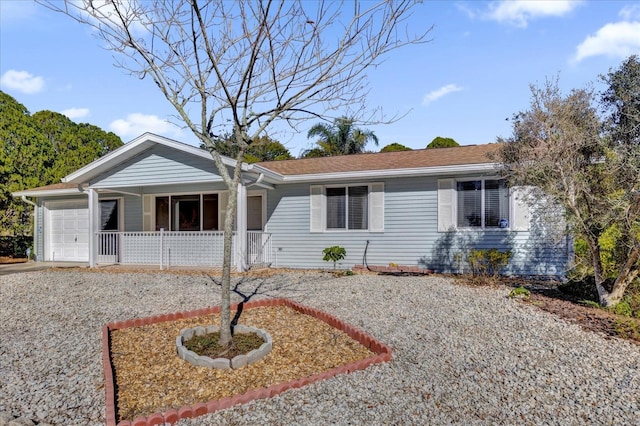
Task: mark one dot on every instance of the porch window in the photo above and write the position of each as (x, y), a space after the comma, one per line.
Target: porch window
(108, 215)
(347, 207)
(483, 204)
(197, 212)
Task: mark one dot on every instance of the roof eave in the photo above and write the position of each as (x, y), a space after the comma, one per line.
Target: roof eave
(392, 173)
(47, 192)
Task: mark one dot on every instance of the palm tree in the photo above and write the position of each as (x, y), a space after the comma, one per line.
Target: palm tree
(340, 138)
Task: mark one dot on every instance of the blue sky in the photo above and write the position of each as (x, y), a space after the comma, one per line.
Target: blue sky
(464, 83)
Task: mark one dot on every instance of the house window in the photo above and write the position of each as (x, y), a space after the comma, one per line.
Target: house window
(483, 203)
(109, 215)
(197, 212)
(347, 207)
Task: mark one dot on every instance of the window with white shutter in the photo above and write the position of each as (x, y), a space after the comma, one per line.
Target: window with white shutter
(481, 203)
(349, 207)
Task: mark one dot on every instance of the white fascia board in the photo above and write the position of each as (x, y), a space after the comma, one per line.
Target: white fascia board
(270, 175)
(135, 185)
(133, 148)
(48, 193)
(392, 173)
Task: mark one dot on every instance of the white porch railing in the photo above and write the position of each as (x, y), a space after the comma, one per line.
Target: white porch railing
(171, 248)
(258, 248)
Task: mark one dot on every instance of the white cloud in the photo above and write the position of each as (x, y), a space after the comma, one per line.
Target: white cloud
(74, 113)
(22, 81)
(438, 93)
(520, 12)
(630, 13)
(136, 124)
(619, 40)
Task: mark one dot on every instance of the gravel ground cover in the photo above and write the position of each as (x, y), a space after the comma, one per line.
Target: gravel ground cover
(461, 355)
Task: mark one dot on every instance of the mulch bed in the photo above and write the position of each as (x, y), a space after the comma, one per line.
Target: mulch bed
(587, 317)
(9, 260)
(150, 378)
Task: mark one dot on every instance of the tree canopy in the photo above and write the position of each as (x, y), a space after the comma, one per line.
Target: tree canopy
(392, 147)
(340, 138)
(589, 164)
(262, 149)
(440, 142)
(40, 149)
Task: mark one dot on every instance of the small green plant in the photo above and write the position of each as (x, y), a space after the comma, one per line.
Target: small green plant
(334, 254)
(623, 308)
(590, 303)
(520, 292)
(628, 328)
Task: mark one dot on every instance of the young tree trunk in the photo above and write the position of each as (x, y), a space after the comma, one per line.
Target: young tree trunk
(628, 272)
(229, 220)
(598, 272)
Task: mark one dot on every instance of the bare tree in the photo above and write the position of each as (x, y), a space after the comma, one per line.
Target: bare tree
(238, 67)
(558, 147)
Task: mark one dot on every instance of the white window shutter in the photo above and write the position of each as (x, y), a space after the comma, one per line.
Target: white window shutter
(446, 204)
(376, 207)
(223, 199)
(316, 209)
(521, 220)
(147, 222)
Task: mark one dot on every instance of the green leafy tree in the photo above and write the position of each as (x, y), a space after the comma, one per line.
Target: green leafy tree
(242, 66)
(440, 142)
(37, 150)
(73, 145)
(262, 149)
(621, 105)
(339, 138)
(24, 163)
(395, 147)
(558, 146)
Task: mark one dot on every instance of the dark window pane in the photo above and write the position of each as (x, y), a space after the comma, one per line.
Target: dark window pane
(210, 212)
(496, 204)
(336, 208)
(185, 213)
(469, 203)
(109, 215)
(162, 213)
(358, 207)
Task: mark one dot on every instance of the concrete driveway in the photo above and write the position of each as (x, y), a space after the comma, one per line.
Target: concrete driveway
(14, 268)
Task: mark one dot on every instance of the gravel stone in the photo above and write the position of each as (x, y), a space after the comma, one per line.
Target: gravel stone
(461, 355)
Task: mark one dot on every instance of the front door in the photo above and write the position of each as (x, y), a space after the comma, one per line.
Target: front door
(254, 213)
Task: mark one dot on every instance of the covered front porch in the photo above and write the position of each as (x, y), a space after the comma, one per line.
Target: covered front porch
(182, 248)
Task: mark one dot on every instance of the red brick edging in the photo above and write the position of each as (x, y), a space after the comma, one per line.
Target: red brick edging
(382, 351)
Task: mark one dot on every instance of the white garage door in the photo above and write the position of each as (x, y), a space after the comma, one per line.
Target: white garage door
(68, 231)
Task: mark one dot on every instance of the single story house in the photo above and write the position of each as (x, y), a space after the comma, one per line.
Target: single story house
(161, 202)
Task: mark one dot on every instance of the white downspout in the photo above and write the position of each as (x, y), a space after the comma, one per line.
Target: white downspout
(94, 221)
(241, 228)
(35, 223)
(24, 198)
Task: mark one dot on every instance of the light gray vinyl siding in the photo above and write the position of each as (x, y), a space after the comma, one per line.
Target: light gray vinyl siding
(132, 210)
(159, 165)
(410, 235)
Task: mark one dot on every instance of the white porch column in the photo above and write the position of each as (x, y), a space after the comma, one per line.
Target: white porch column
(241, 228)
(94, 227)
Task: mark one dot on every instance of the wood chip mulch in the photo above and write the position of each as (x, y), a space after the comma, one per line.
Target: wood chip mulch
(587, 317)
(150, 378)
